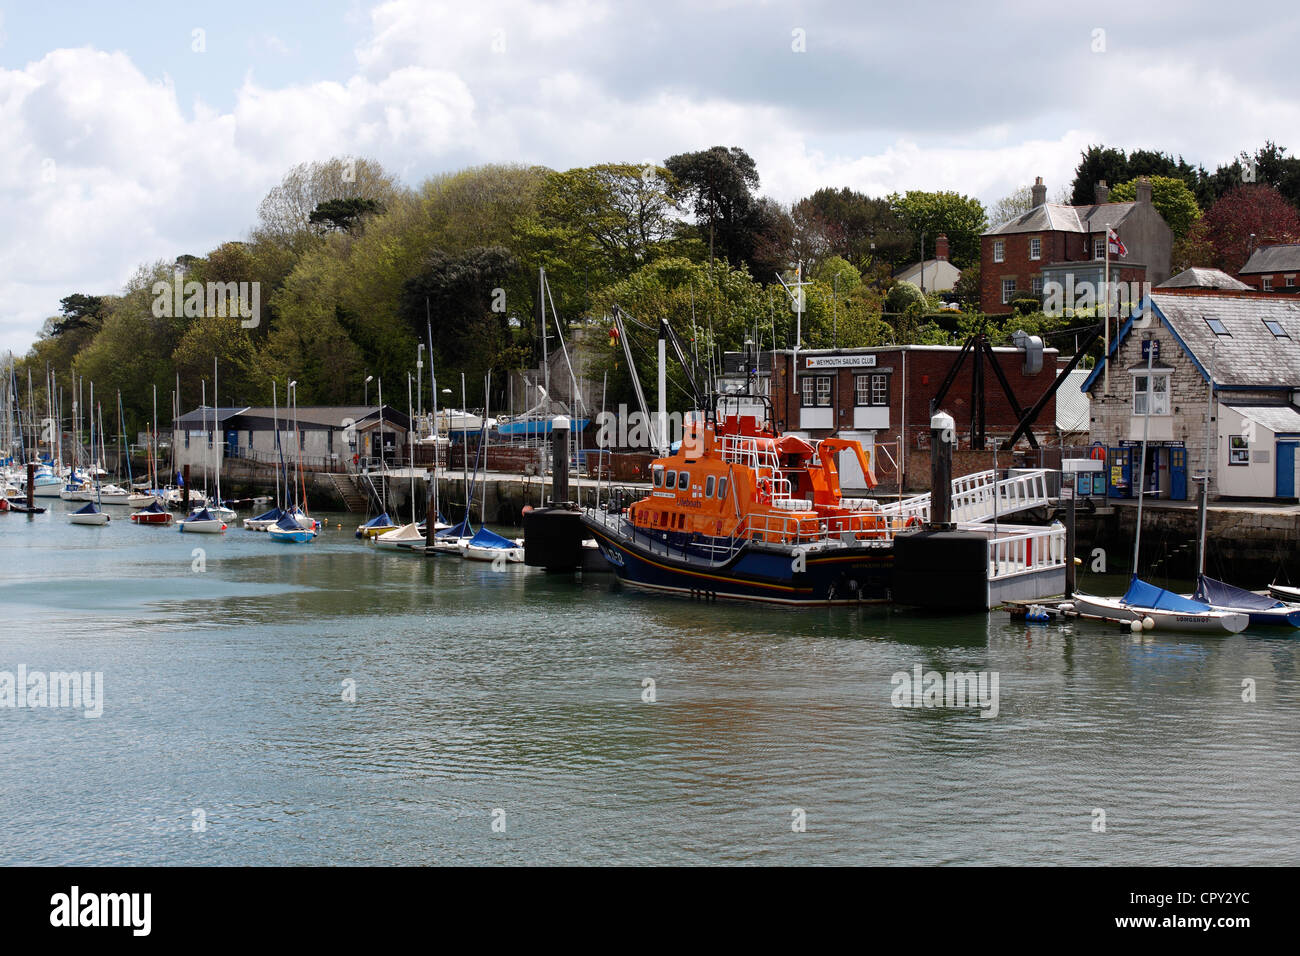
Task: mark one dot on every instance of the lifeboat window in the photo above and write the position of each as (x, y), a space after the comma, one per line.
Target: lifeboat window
(671, 481)
(722, 487)
(684, 480)
(659, 476)
(708, 487)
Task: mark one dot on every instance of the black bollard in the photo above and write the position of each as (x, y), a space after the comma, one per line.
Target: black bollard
(943, 436)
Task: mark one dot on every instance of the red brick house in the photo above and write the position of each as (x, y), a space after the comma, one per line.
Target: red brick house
(1053, 242)
(1273, 267)
(881, 397)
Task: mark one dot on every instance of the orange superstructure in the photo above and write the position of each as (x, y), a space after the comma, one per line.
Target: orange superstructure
(737, 479)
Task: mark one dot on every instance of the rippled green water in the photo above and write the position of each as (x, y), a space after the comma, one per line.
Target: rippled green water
(479, 691)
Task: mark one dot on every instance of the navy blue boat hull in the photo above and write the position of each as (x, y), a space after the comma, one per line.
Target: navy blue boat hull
(859, 574)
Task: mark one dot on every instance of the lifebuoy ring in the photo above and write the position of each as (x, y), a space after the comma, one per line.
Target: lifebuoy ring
(765, 489)
(1099, 452)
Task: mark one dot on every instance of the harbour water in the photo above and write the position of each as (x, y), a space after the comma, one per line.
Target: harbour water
(512, 698)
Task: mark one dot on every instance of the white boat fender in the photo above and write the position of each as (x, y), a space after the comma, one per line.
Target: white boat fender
(1135, 626)
(1148, 623)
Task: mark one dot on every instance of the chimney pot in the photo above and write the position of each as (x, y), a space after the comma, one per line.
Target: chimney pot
(1144, 190)
(1102, 192)
(941, 247)
(1039, 192)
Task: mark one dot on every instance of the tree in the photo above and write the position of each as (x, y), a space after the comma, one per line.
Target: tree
(345, 215)
(285, 213)
(1244, 217)
(961, 217)
(719, 181)
(1012, 206)
(902, 296)
(854, 226)
(967, 289)
(1172, 197)
(1100, 163)
(80, 312)
(460, 292)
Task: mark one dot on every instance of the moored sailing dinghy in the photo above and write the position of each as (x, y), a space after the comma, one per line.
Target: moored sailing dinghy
(288, 530)
(263, 521)
(1167, 611)
(90, 514)
(202, 521)
(404, 538)
(1262, 610)
(1284, 593)
(154, 513)
(487, 545)
(376, 526)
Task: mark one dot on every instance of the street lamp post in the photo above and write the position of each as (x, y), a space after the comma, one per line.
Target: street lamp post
(369, 379)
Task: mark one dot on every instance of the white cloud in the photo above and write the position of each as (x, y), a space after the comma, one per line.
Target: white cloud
(138, 176)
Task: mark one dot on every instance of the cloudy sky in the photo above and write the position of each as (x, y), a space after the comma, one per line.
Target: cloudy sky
(133, 136)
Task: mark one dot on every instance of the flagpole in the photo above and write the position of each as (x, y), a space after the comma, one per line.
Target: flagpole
(1105, 289)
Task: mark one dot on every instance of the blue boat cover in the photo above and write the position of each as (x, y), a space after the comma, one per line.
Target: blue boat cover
(203, 514)
(1226, 595)
(490, 539)
(1142, 594)
(288, 523)
(455, 531)
(275, 514)
(153, 508)
(379, 521)
(89, 509)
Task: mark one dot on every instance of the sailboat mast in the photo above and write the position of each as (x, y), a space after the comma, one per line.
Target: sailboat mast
(410, 444)
(275, 425)
(1142, 468)
(1210, 456)
(487, 399)
(464, 442)
(217, 449)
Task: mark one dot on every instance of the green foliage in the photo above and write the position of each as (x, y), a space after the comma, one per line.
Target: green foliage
(344, 215)
(902, 296)
(719, 183)
(961, 218)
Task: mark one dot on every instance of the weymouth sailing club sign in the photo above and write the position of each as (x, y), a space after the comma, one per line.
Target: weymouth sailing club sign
(841, 361)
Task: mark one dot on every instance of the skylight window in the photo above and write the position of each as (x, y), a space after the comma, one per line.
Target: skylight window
(1276, 329)
(1217, 327)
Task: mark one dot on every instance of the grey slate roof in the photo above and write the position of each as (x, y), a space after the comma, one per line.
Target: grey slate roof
(1277, 258)
(1276, 418)
(316, 416)
(204, 414)
(1055, 217)
(1250, 355)
(1201, 278)
(1072, 403)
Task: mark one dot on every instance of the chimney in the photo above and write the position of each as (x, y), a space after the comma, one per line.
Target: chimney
(941, 247)
(1040, 192)
(1144, 190)
(1102, 192)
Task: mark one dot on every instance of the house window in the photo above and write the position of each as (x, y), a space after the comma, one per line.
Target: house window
(250, 439)
(187, 439)
(1098, 248)
(708, 486)
(999, 250)
(1036, 285)
(1276, 329)
(1217, 327)
(1035, 248)
(871, 391)
(1151, 390)
(1008, 290)
(302, 440)
(816, 391)
(1268, 283)
(1238, 450)
(329, 440)
(1290, 282)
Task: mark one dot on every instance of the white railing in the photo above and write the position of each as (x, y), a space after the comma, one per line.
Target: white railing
(745, 450)
(1024, 549)
(977, 497)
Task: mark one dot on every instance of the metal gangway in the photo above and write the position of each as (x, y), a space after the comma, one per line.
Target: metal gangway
(980, 497)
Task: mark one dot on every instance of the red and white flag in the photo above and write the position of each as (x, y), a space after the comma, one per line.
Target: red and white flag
(1116, 245)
